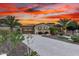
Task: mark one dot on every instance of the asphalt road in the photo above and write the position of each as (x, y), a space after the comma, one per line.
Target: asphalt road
(51, 47)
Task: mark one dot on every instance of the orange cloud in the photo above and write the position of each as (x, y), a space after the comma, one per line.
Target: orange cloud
(8, 7)
(73, 15)
(33, 21)
(45, 12)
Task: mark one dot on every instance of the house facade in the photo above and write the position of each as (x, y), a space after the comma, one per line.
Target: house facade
(7, 28)
(27, 29)
(41, 29)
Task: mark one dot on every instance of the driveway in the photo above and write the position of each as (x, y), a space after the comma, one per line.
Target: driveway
(51, 47)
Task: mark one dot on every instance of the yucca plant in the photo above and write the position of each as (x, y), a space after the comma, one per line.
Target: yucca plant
(16, 38)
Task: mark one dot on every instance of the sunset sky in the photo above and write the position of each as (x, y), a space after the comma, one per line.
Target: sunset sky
(29, 13)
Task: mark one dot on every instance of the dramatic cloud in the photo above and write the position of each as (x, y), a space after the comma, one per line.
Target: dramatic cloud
(40, 11)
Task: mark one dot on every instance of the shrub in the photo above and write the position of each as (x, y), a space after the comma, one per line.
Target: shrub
(61, 37)
(32, 53)
(61, 33)
(53, 30)
(75, 38)
(3, 36)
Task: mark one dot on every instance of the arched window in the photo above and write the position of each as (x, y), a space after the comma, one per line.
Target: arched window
(39, 28)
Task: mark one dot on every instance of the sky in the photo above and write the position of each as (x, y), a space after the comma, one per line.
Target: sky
(34, 13)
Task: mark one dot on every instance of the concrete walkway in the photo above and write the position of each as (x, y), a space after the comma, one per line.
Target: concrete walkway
(51, 47)
(3, 55)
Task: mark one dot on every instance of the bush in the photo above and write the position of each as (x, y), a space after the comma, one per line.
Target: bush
(61, 37)
(75, 38)
(3, 36)
(61, 33)
(34, 53)
(53, 30)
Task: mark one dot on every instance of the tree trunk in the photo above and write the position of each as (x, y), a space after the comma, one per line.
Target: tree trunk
(65, 30)
(11, 29)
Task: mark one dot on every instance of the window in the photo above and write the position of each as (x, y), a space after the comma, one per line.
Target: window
(45, 27)
(39, 28)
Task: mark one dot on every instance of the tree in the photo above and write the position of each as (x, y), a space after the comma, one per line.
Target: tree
(72, 26)
(65, 23)
(11, 22)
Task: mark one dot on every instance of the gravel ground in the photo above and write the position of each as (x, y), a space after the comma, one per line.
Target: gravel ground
(20, 49)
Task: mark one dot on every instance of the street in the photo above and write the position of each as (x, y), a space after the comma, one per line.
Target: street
(50, 47)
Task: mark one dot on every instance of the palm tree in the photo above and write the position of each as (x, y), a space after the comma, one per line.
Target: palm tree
(73, 26)
(64, 23)
(11, 22)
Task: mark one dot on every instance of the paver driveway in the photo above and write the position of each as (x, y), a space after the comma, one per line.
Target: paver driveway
(51, 47)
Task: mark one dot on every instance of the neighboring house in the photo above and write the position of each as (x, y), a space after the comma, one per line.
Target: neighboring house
(28, 29)
(58, 26)
(51, 25)
(5, 27)
(42, 29)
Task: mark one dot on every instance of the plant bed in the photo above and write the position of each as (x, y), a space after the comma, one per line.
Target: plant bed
(11, 43)
(61, 38)
(75, 38)
(21, 50)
